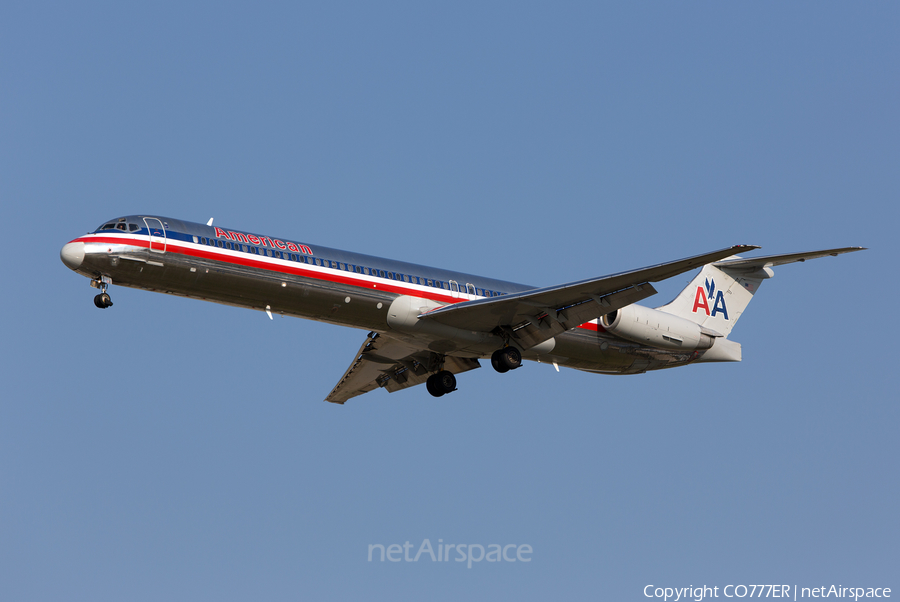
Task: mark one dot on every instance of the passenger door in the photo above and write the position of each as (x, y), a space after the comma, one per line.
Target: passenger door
(157, 234)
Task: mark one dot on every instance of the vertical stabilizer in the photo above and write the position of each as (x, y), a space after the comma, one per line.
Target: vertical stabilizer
(717, 298)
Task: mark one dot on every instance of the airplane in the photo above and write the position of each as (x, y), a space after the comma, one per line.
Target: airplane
(427, 325)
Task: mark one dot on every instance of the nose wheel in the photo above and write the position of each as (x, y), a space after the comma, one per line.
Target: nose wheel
(103, 301)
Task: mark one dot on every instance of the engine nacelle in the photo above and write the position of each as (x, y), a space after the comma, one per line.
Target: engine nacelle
(655, 328)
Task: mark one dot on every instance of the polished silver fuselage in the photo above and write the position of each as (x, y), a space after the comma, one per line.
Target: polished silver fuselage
(318, 283)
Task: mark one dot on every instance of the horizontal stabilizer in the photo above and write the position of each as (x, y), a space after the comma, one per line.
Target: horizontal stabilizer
(758, 263)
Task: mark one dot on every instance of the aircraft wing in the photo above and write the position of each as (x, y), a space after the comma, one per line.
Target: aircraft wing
(386, 362)
(534, 316)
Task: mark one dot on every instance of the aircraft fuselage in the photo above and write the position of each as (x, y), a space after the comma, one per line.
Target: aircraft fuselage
(309, 281)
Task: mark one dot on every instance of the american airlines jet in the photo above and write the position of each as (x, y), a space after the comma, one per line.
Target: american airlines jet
(426, 325)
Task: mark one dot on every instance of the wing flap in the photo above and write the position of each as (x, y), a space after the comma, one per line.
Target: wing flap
(384, 362)
(544, 323)
(403, 379)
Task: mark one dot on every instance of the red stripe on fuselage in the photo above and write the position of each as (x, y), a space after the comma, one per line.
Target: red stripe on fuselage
(286, 269)
(204, 253)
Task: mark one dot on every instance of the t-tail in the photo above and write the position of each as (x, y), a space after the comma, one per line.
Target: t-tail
(718, 296)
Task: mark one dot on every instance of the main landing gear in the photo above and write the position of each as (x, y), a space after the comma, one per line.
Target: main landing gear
(102, 300)
(506, 359)
(441, 383)
(503, 360)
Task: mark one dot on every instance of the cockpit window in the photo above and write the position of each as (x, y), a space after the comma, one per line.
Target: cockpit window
(120, 227)
(132, 227)
(109, 226)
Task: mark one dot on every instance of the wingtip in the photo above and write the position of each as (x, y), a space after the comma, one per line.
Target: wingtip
(848, 250)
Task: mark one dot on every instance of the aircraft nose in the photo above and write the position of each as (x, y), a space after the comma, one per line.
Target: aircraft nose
(72, 254)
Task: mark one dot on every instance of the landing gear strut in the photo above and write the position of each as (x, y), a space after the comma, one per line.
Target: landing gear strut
(506, 359)
(102, 300)
(441, 383)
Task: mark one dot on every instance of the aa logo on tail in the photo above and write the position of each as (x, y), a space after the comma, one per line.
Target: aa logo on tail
(703, 297)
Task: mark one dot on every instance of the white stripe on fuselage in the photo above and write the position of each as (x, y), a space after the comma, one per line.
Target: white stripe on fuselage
(370, 281)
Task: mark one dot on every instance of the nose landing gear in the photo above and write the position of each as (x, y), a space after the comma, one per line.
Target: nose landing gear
(102, 300)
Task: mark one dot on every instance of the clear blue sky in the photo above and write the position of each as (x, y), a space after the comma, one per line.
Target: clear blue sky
(180, 450)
